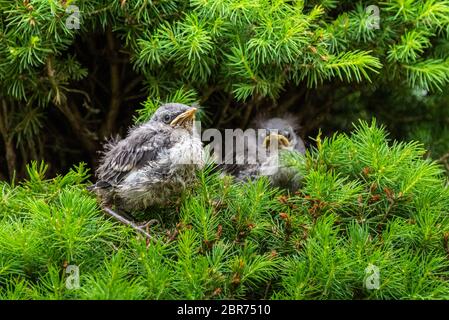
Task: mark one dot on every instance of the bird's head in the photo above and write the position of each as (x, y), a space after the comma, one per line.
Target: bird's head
(176, 115)
(281, 140)
(279, 131)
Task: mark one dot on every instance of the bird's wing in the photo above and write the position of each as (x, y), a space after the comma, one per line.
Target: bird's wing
(131, 154)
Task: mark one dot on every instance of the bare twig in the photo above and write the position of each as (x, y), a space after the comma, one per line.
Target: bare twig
(70, 111)
(206, 95)
(84, 93)
(135, 97)
(223, 111)
(133, 84)
(444, 158)
(254, 103)
(127, 222)
(115, 83)
(8, 139)
(446, 243)
(247, 114)
(265, 296)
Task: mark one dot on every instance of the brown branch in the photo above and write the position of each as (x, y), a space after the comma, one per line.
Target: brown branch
(223, 112)
(446, 243)
(312, 116)
(249, 109)
(115, 102)
(84, 93)
(291, 101)
(76, 122)
(71, 112)
(134, 83)
(128, 223)
(8, 140)
(247, 114)
(444, 158)
(206, 95)
(135, 97)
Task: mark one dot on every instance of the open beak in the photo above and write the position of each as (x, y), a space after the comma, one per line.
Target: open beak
(184, 117)
(281, 140)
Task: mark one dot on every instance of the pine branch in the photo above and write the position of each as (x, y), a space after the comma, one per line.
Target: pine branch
(70, 111)
(429, 74)
(354, 64)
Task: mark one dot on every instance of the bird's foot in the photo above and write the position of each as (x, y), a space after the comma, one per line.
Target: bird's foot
(146, 225)
(128, 222)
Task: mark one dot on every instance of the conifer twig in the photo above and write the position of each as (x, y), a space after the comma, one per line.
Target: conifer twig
(10, 153)
(115, 83)
(444, 160)
(127, 222)
(444, 157)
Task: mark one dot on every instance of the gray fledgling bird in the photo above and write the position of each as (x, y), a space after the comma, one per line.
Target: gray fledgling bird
(275, 135)
(286, 127)
(154, 163)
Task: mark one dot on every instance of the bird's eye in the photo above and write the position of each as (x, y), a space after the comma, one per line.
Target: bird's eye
(287, 134)
(167, 118)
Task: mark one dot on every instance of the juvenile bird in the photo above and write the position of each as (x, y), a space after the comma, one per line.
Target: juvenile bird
(274, 136)
(154, 163)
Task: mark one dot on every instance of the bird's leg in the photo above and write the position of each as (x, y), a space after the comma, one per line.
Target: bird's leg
(125, 215)
(127, 222)
(148, 224)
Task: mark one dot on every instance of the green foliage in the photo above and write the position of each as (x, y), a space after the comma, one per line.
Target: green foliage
(151, 104)
(234, 57)
(364, 200)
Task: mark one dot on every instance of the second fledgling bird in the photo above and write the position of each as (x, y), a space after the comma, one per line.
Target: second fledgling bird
(154, 163)
(275, 136)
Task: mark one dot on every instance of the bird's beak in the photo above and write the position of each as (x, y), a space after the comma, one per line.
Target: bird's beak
(184, 117)
(281, 140)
